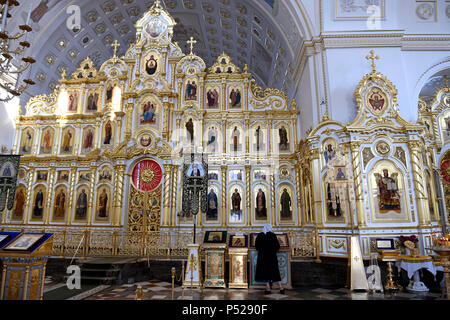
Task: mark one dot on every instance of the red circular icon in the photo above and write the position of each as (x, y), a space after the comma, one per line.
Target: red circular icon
(147, 175)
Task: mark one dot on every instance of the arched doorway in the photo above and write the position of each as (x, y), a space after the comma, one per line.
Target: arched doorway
(144, 204)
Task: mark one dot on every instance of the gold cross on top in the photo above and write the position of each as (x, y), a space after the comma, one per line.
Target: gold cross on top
(373, 57)
(191, 42)
(116, 46)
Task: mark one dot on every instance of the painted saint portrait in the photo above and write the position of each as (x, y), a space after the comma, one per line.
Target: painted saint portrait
(109, 93)
(211, 213)
(151, 65)
(72, 104)
(107, 133)
(235, 98)
(236, 210)
(27, 141)
(38, 204)
(59, 208)
(190, 130)
(103, 204)
(212, 97)
(195, 170)
(191, 90)
(259, 139)
(7, 170)
(81, 204)
(284, 142)
(389, 197)
(155, 27)
(105, 174)
(87, 144)
(148, 115)
(235, 140)
(329, 153)
(260, 207)
(286, 205)
(333, 201)
(260, 175)
(62, 176)
(41, 175)
(145, 140)
(340, 175)
(67, 136)
(211, 144)
(19, 206)
(47, 141)
(92, 102)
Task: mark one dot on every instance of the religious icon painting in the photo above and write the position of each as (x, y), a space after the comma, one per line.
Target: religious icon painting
(22, 174)
(24, 242)
(235, 98)
(46, 145)
(87, 142)
(148, 112)
(340, 173)
(103, 203)
(212, 142)
(213, 175)
(285, 203)
(145, 140)
(26, 144)
(238, 241)
(105, 174)
(377, 101)
(62, 176)
(108, 133)
(191, 89)
(236, 138)
(236, 207)
(236, 175)
(151, 63)
(111, 89)
(258, 136)
(67, 138)
(212, 97)
(81, 203)
(387, 186)
(41, 176)
(283, 138)
(60, 206)
(285, 173)
(260, 201)
(38, 203)
(260, 175)
(444, 124)
(431, 197)
(195, 169)
(212, 212)
(93, 101)
(72, 101)
(7, 170)
(155, 28)
(335, 202)
(19, 204)
(84, 176)
(329, 149)
(215, 237)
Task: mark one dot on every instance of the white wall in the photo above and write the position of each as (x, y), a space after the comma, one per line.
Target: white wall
(8, 112)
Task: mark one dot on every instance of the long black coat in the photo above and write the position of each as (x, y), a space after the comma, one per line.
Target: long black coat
(267, 263)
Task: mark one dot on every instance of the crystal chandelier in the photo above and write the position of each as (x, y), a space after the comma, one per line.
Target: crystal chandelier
(13, 61)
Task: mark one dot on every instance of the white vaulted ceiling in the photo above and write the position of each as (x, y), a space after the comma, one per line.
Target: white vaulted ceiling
(260, 33)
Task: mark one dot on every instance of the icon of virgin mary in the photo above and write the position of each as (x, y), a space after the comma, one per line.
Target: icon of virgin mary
(151, 65)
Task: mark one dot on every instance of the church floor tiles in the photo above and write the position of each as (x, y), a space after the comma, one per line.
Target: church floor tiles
(158, 290)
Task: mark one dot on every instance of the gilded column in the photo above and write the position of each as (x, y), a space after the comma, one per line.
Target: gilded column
(299, 195)
(174, 195)
(248, 193)
(118, 137)
(166, 201)
(138, 67)
(294, 120)
(91, 199)
(129, 120)
(202, 94)
(356, 164)
(246, 95)
(71, 195)
(224, 96)
(247, 135)
(170, 121)
(28, 202)
(272, 195)
(49, 195)
(180, 95)
(224, 195)
(269, 137)
(163, 73)
(224, 136)
(316, 189)
(172, 82)
(419, 189)
(118, 193)
(178, 131)
(165, 120)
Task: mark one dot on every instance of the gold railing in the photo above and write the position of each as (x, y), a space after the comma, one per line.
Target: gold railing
(167, 244)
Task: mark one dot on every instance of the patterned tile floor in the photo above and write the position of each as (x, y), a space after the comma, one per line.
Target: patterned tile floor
(159, 290)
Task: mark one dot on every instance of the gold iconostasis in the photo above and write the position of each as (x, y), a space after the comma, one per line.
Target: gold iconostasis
(104, 150)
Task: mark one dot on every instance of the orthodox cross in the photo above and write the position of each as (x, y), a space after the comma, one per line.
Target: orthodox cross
(373, 57)
(157, 4)
(191, 42)
(116, 46)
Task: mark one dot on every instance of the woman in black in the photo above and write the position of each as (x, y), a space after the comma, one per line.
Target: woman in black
(267, 264)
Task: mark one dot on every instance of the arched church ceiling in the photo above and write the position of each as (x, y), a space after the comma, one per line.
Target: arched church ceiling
(252, 32)
(433, 85)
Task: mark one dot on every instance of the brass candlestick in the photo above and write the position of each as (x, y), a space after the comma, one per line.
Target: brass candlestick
(444, 254)
(173, 281)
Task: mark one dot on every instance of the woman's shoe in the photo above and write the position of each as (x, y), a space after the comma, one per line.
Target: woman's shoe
(267, 292)
(282, 291)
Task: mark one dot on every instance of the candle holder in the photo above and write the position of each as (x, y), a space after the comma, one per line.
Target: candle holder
(444, 254)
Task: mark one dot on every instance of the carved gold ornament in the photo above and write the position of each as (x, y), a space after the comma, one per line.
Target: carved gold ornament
(147, 175)
(383, 148)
